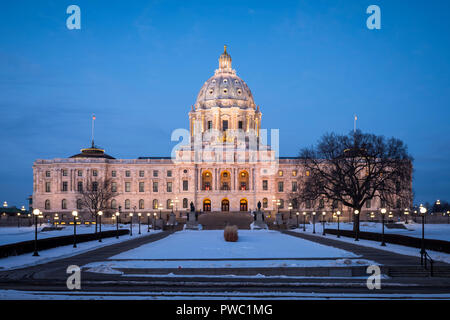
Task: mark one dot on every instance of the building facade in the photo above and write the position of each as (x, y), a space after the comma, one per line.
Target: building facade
(223, 165)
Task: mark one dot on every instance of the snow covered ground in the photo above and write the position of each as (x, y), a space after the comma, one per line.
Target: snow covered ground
(45, 256)
(14, 234)
(432, 231)
(270, 295)
(210, 244)
(264, 245)
(111, 267)
(410, 251)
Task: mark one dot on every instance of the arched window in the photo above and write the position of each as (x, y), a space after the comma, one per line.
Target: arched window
(127, 204)
(321, 203)
(141, 204)
(47, 204)
(265, 203)
(79, 204)
(155, 203)
(281, 204)
(64, 204)
(169, 204)
(185, 203)
(113, 204)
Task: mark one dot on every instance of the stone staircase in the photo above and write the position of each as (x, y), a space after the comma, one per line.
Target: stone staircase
(418, 272)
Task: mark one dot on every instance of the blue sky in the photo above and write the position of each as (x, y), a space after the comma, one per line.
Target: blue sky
(138, 65)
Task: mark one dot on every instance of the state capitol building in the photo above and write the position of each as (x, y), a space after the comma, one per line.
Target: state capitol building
(224, 166)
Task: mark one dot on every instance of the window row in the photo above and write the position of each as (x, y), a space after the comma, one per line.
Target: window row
(155, 173)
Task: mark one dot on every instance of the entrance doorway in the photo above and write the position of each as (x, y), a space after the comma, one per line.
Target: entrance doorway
(206, 205)
(243, 205)
(225, 205)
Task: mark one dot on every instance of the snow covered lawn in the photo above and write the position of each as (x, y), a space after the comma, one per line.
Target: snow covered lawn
(209, 244)
(432, 231)
(410, 251)
(45, 256)
(14, 234)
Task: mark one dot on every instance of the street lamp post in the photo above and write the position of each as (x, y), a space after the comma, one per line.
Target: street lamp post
(448, 217)
(139, 219)
(383, 212)
(131, 224)
(35, 213)
(18, 219)
(297, 218)
(406, 215)
(357, 226)
(304, 221)
(423, 210)
(338, 213)
(100, 213)
(148, 222)
(117, 225)
(74, 214)
(160, 209)
(314, 222)
(323, 222)
(290, 210)
(154, 220)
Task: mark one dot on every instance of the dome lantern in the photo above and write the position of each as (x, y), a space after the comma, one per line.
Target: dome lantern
(225, 60)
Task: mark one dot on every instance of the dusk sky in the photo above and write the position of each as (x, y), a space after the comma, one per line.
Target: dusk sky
(138, 65)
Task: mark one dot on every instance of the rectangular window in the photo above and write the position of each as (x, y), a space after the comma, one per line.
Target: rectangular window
(47, 187)
(127, 186)
(47, 174)
(114, 186)
(94, 173)
(80, 186)
(308, 204)
(169, 186)
(80, 173)
(240, 125)
(64, 186)
(185, 185)
(155, 186)
(368, 204)
(265, 185)
(94, 186)
(141, 173)
(294, 186)
(280, 186)
(141, 186)
(169, 173)
(209, 125)
(224, 125)
(294, 173)
(155, 173)
(64, 173)
(113, 173)
(127, 173)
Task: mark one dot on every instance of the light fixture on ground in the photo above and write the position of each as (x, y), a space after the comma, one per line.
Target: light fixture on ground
(406, 215)
(314, 221)
(338, 213)
(100, 213)
(74, 214)
(304, 221)
(131, 224)
(117, 224)
(35, 213)
(423, 210)
(357, 226)
(383, 212)
(323, 222)
(139, 220)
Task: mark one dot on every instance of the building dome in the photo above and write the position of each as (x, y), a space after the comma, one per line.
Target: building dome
(224, 89)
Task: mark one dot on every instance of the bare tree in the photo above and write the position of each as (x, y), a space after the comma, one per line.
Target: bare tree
(95, 197)
(355, 168)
